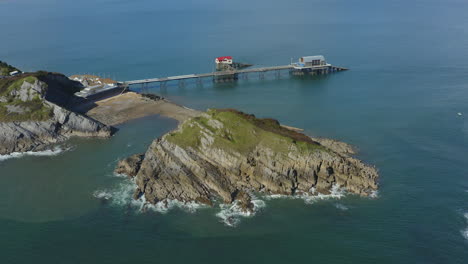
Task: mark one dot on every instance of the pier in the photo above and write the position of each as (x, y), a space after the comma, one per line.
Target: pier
(227, 71)
(221, 76)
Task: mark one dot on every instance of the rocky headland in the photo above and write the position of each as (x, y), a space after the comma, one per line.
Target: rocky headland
(228, 155)
(35, 112)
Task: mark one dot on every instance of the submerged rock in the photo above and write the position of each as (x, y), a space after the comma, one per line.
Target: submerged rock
(227, 154)
(130, 166)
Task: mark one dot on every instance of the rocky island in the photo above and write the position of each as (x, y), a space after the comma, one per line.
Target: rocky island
(34, 112)
(228, 155)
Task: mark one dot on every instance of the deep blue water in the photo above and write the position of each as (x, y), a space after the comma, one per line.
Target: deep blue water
(398, 104)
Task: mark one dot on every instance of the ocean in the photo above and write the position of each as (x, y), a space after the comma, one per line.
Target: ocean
(403, 104)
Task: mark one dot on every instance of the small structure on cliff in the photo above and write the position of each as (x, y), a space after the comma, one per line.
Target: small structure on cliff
(14, 73)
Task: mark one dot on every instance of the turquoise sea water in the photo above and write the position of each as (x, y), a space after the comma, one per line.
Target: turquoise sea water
(398, 104)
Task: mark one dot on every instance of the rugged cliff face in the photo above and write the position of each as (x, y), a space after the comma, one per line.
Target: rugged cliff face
(33, 113)
(227, 154)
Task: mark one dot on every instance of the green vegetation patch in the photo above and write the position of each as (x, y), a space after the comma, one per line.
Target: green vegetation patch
(241, 133)
(8, 85)
(34, 110)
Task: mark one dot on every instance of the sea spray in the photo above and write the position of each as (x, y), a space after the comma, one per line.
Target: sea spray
(313, 196)
(374, 194)
(465, 231)
(336, 192)
(341, 207)
(231, 214)
(50, 152)
(122, 196)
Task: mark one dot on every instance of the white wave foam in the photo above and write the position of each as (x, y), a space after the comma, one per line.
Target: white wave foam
(51, 152)
(122, 196)
(465, 231)
(102, 195)
(336, 192)
(341, 207)
(165, 206)
(231, 214)
(119, 175)
(279, 196)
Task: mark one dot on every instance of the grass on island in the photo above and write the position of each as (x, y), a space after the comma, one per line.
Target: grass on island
(8, 85)
(34, 110)
(242, 133)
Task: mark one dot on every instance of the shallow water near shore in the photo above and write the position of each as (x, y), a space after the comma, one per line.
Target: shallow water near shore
(398, 105)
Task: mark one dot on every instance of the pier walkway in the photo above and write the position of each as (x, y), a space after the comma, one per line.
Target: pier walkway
(226, 73)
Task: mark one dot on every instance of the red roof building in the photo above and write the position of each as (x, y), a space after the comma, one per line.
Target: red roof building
(224, 59)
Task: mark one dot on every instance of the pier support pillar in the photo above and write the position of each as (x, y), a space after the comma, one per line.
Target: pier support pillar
(278, 74)
(163, 85)
(144, 88)
(182, 83)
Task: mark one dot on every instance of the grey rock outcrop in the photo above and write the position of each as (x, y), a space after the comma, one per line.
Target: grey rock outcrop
(130, 166)
(29, 91)
(29, 134)
(37, 135)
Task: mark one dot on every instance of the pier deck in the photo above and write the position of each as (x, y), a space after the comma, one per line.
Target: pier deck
(223, 73)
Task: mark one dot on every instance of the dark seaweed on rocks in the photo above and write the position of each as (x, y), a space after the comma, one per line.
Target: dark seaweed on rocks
(152, 96)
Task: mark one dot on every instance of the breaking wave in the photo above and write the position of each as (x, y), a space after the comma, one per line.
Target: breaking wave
(51, 152)
(336, 192)
(119, 175)
(374, 194)
(465, 231)
(231, 214)
(341, 207)
(122, 196)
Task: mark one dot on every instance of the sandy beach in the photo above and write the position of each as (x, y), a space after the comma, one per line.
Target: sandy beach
(122, 108)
